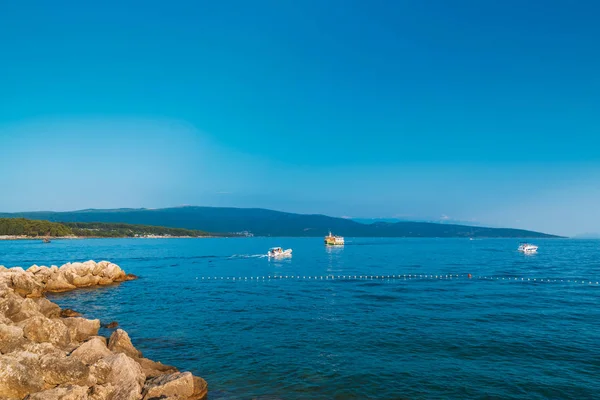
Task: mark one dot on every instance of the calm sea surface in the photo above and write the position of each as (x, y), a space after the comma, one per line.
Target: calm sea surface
(444, 338)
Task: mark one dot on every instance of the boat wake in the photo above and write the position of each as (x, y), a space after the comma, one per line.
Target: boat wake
(248, 256)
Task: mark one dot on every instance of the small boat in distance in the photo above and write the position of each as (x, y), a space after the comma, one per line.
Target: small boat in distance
(279, 252)
(332, 240)
(528, 248)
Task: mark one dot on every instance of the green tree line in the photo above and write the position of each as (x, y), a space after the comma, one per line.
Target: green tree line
(102, 229)
(32, 228)
(38, 228)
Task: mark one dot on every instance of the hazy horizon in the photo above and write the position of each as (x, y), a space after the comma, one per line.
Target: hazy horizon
(483, 113)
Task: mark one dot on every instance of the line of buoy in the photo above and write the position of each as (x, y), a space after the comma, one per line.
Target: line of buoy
(392, 277)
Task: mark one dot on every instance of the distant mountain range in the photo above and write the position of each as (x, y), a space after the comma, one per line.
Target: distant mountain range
(440, 220)
(262, 222)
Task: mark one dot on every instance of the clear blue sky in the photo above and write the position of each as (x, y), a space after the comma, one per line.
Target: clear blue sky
(484, 111)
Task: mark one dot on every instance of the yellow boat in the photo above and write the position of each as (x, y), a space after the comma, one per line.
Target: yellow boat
(332, 240)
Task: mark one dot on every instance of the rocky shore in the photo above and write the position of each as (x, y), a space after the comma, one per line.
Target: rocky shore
(51, 354)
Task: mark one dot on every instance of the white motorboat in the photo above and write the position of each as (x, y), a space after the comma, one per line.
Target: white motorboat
(528, 248)
(279, 252)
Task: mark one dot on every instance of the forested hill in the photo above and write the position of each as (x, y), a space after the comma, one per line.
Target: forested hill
(22, 227)
(262, 222)
(32, 228)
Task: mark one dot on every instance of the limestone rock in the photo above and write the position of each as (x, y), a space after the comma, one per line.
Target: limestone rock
(91, 351)
(43, 349)
(120, 342)
(69, 275)
(111, 325)
(25, 285)
(200, 389)
(28, 309)
(113, 272)
(99, 268)
(101, 392)
(58, 284)
(18, 379)
(80, 328)
(153, 369)
(123, 373)
(59, 371)
(105, 281)
(11, 338)
(33, 269)
(44, 274)
(67, 312)
(69, 392)
(51, 354)
(10, 305)
(41, 329)
(86, 280)
(179, 385)
(48, 308)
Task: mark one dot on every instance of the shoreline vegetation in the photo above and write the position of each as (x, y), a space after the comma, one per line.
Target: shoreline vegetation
(22, 228)
(49, 353)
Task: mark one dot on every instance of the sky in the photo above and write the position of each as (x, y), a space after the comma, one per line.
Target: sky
(480, 111)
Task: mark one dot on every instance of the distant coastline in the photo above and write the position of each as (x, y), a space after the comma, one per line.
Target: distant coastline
(239, 222)
(13, 237)
(24, 229)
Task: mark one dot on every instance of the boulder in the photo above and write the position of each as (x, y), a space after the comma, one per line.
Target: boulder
(44, 274)
(200, 389)
(18, 379)
(58, 284)
(113, 272)
(105, 281)
(111, 325)
(33, 269)
(67, 312)
(86, 280)
(77, 268)
(11, 338)
(69, 275)
(28, 309)
(91, 351)
(101, 392)
(48, 308)
(80, 328)
(66, 370)
(25, 285)
(153, 369)
(99, 268)
(123, 373)
(179, 385)
(69, 392)
(43, 349)
(120, 342)
(41, 329)
(10, 305)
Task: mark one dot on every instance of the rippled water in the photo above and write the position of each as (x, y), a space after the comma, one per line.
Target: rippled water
(349, 339)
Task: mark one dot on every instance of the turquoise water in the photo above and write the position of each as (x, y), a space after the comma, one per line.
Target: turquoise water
(396, 338)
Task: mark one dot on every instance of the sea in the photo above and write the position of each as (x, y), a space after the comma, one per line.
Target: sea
(374, 319)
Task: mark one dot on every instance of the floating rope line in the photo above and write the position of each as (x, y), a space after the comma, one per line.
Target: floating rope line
(393, 277)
